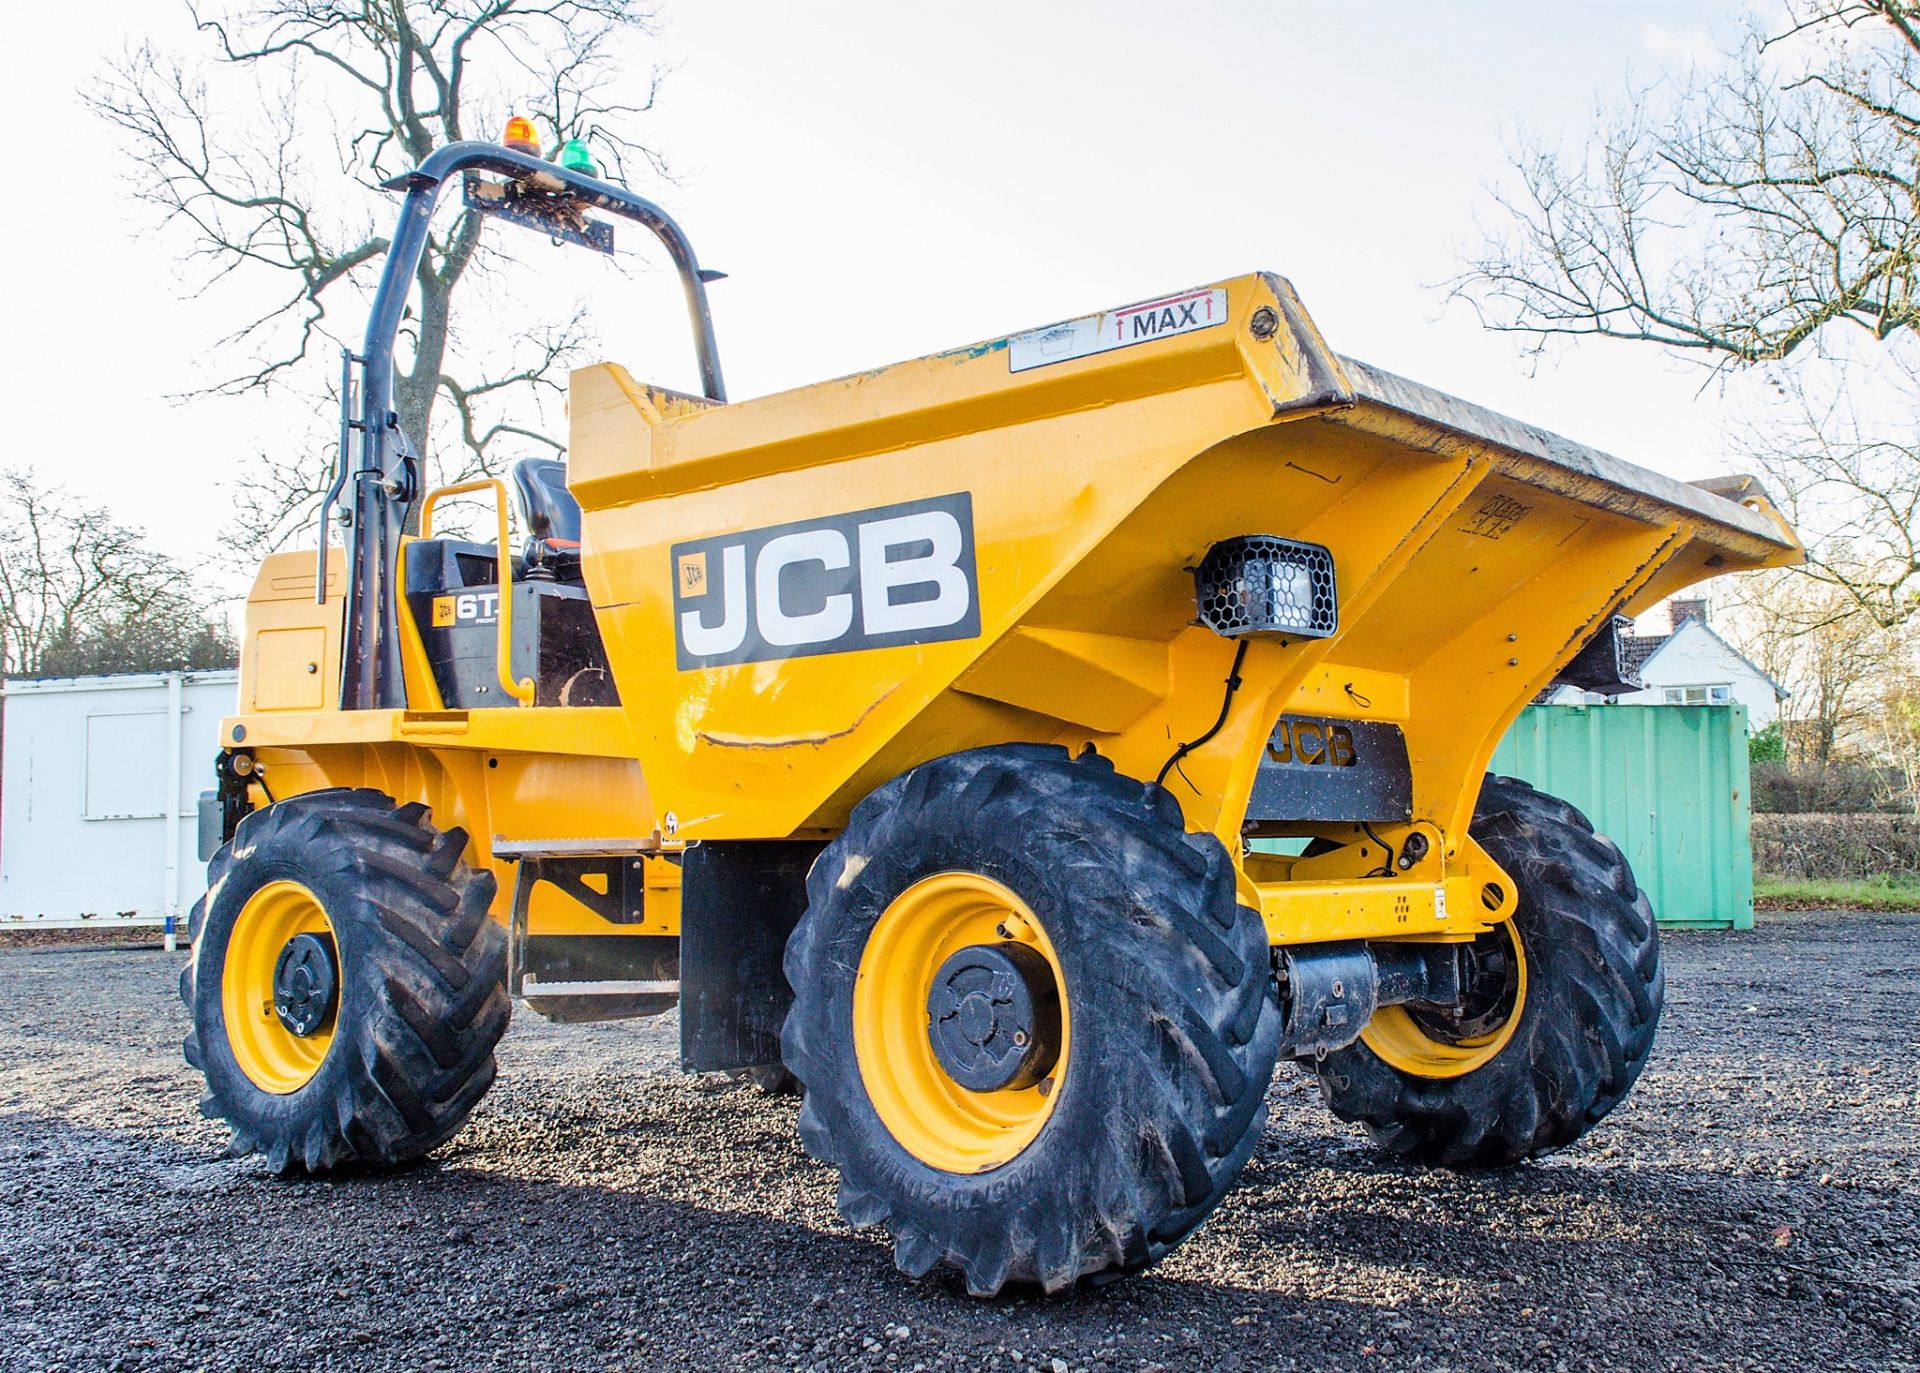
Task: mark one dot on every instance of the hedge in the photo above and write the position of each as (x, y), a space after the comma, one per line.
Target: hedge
(1849, 845)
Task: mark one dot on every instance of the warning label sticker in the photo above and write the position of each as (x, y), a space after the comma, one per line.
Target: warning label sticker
(1122, 328)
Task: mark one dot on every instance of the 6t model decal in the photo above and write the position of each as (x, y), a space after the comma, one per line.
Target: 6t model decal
(896, 574)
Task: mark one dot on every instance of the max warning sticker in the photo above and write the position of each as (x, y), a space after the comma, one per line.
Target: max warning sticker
(1122, 328)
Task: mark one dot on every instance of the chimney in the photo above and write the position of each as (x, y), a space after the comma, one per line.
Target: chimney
(1680, 611)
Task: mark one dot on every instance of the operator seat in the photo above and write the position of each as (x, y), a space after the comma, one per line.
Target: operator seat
(551, 516)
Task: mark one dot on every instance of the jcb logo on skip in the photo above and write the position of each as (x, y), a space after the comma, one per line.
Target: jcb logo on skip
(895, 574)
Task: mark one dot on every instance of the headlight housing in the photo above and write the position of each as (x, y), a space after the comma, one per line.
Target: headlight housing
(1261, 586)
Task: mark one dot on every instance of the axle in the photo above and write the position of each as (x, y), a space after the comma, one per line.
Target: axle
(1328, 992)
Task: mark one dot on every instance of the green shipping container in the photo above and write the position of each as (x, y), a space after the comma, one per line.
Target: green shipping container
(1668, 784)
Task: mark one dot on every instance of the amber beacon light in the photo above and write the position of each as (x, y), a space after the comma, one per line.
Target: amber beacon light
(521, 136)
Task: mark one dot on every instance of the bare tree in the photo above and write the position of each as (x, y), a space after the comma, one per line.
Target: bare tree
(1762, 210)
(1850, 480)
(82, 593)
(1897, 725)
(1835, 661)
(265, 152)
(1739, 216)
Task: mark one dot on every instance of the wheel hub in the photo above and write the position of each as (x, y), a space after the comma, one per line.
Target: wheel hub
(1452, 1041)
(1487, 994)
(305, 983)
(993, 1016)
(912, 1062)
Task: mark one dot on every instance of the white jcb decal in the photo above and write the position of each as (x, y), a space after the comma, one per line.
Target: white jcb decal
(1142, 323)
(898, 574)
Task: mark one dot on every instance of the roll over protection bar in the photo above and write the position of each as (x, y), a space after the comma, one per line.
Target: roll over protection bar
(386, 480)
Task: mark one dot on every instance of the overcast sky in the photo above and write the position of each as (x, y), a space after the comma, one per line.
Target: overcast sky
(885, 179)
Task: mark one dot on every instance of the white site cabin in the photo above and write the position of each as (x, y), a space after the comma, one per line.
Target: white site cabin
(100, 779)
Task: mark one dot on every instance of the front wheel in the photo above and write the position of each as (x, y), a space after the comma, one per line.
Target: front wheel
(1034, 1026)
(347, 985)
(1559, 1020)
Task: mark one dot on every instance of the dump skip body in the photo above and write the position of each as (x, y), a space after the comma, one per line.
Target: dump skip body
(806, 595)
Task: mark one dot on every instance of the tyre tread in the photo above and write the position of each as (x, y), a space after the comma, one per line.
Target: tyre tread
(424, 1057)
(1595, 991)
(1177, 945)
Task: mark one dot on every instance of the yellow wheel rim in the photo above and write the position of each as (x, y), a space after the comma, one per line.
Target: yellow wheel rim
(1402, 1042)
(273, 1057)
(930, 1115)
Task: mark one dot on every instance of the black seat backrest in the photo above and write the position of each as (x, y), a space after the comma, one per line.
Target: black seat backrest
(548, 508)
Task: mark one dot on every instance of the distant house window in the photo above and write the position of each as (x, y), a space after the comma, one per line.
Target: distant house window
(1717, 695)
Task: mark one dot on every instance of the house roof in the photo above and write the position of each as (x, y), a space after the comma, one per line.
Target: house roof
(1637, 648)
(1643, 648)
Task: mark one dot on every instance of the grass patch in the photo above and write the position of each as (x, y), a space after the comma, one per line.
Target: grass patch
(1829, 894)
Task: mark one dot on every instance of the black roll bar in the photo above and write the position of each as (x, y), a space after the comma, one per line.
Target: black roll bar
(386, 480)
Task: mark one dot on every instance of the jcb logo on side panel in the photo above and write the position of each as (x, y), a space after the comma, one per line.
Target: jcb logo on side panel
(468, 608)
(896, 574)
(1310, 743)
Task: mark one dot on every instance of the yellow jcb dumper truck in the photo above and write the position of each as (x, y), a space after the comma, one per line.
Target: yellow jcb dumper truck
(913, 734)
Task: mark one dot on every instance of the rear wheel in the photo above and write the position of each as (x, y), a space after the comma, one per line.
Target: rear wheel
(1034, 1025)
(1560, 1015)
(347, 986)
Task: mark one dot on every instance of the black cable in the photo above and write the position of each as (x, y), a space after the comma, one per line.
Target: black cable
(1386, 868)
(1226, 703)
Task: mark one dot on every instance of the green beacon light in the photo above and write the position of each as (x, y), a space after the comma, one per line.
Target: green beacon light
(575, 157)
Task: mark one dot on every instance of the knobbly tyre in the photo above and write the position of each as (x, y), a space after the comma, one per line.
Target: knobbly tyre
(912, 734)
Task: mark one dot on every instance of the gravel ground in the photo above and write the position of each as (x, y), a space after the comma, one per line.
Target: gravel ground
(1755, 1204)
